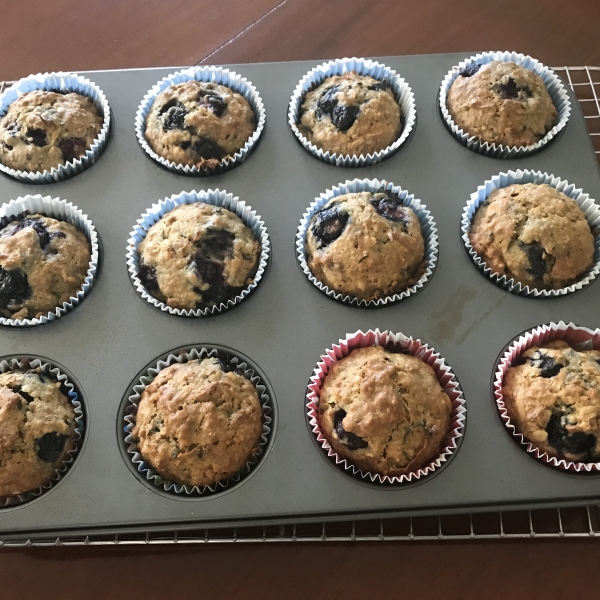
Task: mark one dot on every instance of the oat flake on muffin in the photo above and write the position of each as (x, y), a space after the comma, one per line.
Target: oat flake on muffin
(43, 263)
(198, 256)
(198, 422)
(552, 395)
(502, 103)
(384, 411)
(534, 234)
(351, 114)
(42, 130)
(367, 245)
(37, 430)
(198, 124)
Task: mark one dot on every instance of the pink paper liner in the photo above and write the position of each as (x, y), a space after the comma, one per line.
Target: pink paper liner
(413, 347)
(580, 338)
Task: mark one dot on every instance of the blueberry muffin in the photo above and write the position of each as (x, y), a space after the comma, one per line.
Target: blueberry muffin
(43, 263)
(198, 256)
(198, 422)
(384, 411)
(37, 430)
(351, 114)
(366, 245)
(199, 124)
(552, 395)
(502, 103)
(43, 130)
(533, 234)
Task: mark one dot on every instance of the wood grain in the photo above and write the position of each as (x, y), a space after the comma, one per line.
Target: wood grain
(467, 570)
(75, 35)
(553, 31)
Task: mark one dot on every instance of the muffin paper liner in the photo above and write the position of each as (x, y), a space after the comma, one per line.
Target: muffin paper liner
(145, 468)
(60, 210)
(214, 198)
(314, 78)
(589, 208)
(580, 338)
(28, 364)
(410, 346)
(555, 88)
(428, 230)
(207, 75)
(66, 83)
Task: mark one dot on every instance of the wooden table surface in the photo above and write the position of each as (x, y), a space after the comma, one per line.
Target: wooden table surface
(73, 35)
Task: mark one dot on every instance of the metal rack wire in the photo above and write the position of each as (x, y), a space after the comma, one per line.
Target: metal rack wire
(582, 522)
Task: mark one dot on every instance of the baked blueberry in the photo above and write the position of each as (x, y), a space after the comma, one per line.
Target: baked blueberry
(329, 225)
(14, 287)
(50, 446)
(343, 117)
(327, 102)
(173, 116)
(560, 437)
(390, 207)
(72, 148)
(470, 71)
(547, 365)
(207, 148)
(349, 439)
(37, 137)
(213, 101)
(148, 277)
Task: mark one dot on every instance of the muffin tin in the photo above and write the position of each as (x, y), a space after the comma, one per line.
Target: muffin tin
(287, 323)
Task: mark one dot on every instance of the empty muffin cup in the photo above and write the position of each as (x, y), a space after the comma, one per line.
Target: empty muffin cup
(554, 85)
(397, 343)
(589, 208)
(216, 75)
(215, 198)
(62, 83)
(428, 232)
(387, 78)
(230, 362)
(578, 338)
(54, 443)
(61, 210)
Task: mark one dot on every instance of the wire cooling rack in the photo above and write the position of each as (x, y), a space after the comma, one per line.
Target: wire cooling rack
(582, 522)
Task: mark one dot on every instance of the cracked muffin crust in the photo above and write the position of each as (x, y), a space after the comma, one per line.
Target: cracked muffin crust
(198, 422)
(43, 263)
(502, 103)
(198, 256)
(37, 430)
(199, 124)
(386, 412)
(43, 130)
(351, 114)
(552, 395)
(366, 245)
(534, 234)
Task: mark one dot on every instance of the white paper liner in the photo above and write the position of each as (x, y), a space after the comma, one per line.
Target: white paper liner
(217, 75)
(62, 211)
(214, 198)
(588, 206)
(554, 85)
(428, 230)
(579, 338)
(145, 468)
(314, 78)
(52, 371)
(413, 347)
(60, 82)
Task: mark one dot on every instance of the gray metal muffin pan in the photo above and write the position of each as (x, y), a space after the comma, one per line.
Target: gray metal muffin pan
(287, 324)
